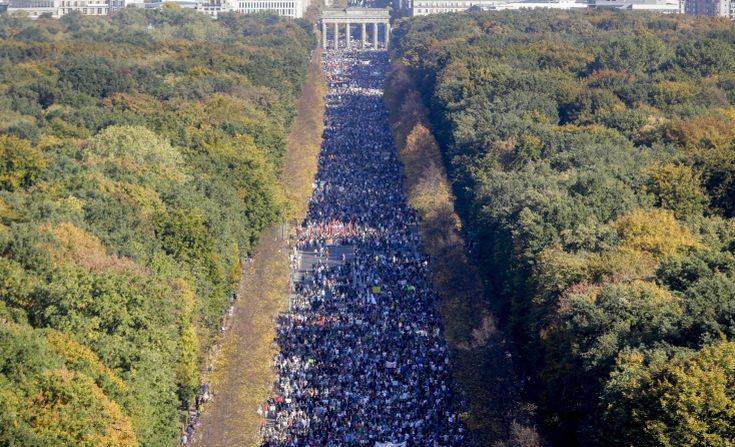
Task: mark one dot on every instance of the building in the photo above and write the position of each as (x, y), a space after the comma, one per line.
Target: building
(662, 6)
(369, 25)
(213, 7)
(711, 8)
(89, 7)
(287, 8)
(58, 8)
(534, 4)
(34, 8)
(425, 7)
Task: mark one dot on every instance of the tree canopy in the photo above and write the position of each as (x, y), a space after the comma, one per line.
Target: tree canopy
(591, 154)
(139, 163)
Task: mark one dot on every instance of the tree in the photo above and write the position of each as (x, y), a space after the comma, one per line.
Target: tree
(137, 149)
(56, 393)
(130, 158)
(704, 57)
(683, 400)
(655, 231)
(544, 121)
(94, 75)
(20, 164)
(69, 409)
(632, 53)
(677, 188)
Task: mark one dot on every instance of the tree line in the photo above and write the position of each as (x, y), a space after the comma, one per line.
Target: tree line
(592, 158)
(139, 163)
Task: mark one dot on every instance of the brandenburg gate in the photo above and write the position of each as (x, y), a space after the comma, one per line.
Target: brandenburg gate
(334, 18)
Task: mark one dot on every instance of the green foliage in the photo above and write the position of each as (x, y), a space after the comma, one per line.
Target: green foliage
(95, 76)
(137, 165)
(681, 400)
(677, 188)
(592, 158)
(135, 149)
(56, 393)
(20, 164)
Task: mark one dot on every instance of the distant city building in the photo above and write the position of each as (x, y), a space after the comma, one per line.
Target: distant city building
(711, 8)
(425, 7)
(58, 8)
(534, 4)
(663, 6)
(213, 7)
(89, 7)
(286, 8)
(34, 8)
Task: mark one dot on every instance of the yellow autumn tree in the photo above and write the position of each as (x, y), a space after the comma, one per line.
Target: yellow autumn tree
(20, 164)
(655, 231)
(68, 408)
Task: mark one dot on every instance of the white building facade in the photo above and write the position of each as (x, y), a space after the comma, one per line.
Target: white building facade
(287, 8)
(89, 7)
(425, 7)
(57, 8)
(662, 6)
(34, 8)
(534, 4)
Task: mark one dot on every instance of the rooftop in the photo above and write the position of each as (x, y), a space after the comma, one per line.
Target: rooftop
(340, 13)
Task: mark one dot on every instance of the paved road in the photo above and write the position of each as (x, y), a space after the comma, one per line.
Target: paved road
(363, 361)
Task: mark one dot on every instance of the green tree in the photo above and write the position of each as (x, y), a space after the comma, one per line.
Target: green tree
(20, 164)
(677, 188)
(684, 400)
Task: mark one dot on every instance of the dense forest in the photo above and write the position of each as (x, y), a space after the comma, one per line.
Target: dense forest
(139, 157)
(592, 156)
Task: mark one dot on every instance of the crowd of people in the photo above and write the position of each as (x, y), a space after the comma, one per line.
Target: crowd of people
(362, 359)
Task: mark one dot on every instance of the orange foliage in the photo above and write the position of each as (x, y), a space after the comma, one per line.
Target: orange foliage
(304, 143)
(139, 103)
(80, 357)
(77, 246)
(703, 132)
(70, 409)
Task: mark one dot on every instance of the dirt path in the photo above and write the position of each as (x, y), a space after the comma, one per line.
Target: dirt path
(242, 376)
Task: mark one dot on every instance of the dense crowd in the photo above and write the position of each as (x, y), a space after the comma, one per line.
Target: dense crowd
(362, 358)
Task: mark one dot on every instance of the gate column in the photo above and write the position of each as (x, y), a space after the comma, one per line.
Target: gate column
(334, 18)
